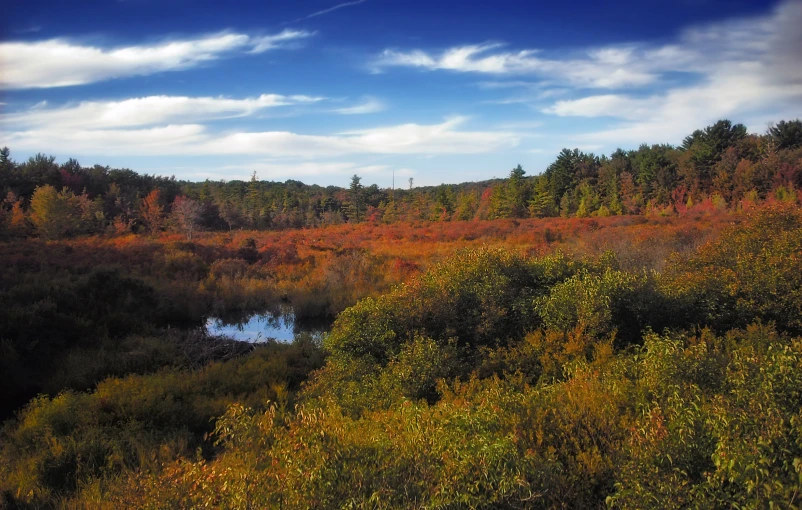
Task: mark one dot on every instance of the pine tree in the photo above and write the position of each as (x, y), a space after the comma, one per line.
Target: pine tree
(254, 202)
(356, 199)
(466, 206)
(542, 203)
(390, 212)
(787, 134)
(517, 193)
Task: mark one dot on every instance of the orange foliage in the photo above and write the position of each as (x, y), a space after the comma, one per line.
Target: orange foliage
(336, 265)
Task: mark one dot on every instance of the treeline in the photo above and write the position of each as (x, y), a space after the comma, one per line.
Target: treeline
(719, 167)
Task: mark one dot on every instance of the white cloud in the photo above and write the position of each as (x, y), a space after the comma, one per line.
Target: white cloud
(603, 68)
(442, 138)
(369, 105)
(195, 139)
(59, 63)
(773, 42)
(146, 111)
(270, 42)
(155, 140)
(611, 105)
(746, 69)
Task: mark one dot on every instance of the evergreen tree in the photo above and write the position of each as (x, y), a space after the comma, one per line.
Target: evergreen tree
(356, 199)
(562, 173)
(542, 203)
(706, 146)
(254, 203)
(787, 134)
(466, 206)
(517, 193)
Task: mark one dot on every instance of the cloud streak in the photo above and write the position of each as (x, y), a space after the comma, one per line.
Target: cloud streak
(326, 11)
(147, 111)
(370, 105)
(336, 7)
(603, 68)
(196, 139)
(61, 63)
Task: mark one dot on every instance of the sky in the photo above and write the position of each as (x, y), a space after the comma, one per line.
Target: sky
(439, 91)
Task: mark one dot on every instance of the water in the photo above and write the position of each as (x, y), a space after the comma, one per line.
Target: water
(278, 325)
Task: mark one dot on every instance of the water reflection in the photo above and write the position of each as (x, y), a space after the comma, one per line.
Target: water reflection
(278, 325)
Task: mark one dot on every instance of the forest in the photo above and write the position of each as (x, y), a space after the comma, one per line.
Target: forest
(720, 166)
(620, 331)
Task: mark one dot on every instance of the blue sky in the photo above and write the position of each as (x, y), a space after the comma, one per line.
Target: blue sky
(444, 91)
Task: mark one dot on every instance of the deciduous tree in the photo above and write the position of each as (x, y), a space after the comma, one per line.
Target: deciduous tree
(186, 215)
(151, 211)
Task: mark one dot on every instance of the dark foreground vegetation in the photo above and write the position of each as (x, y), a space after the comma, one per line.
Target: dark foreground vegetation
(496, 378)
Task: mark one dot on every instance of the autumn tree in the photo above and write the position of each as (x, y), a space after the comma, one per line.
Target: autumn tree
(631, 199)
(151, 211)
(16, 222)
(50, 213)
(232, 215)
(186, 214)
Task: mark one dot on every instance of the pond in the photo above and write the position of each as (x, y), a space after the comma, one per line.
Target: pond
(280, 325)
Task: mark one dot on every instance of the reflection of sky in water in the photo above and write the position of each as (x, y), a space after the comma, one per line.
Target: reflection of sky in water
(261, 327)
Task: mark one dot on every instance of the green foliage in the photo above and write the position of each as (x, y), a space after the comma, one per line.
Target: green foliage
(706, 146)
(478, 297)
(721, 427)
(682, 422)
(542, 202)
(787, 134)
(356, 192)
(58, 445)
